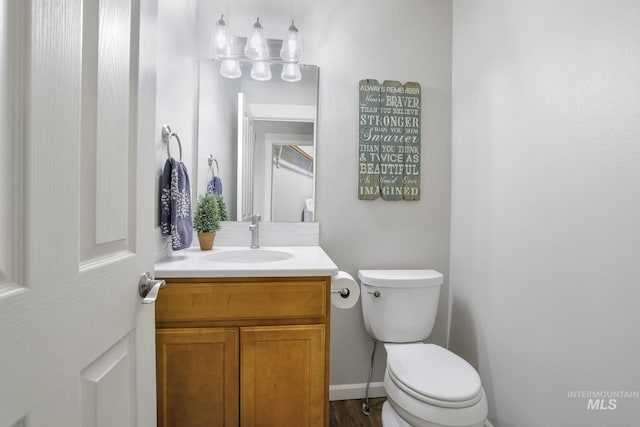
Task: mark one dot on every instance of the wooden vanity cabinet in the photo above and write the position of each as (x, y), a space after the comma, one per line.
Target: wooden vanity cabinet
(243, 352)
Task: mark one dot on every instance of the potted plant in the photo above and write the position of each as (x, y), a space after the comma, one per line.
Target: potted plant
(207, 220)
(222, 208)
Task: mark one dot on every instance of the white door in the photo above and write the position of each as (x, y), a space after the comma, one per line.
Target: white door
(76, 212)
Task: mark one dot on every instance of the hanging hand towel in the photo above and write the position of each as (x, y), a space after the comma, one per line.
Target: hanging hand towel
(175, 205)
(215, 186)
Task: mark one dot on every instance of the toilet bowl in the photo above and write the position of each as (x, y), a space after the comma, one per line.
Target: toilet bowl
(427, 385)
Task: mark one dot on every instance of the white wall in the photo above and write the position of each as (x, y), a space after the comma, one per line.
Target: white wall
(545, 236)
(405, 40)
(176, 94)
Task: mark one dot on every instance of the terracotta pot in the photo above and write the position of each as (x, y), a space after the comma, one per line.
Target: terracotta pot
(206, 240)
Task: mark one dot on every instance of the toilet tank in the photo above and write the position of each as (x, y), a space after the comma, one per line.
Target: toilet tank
(399, 305)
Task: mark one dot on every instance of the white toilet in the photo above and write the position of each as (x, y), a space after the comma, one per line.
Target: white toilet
(426, 385)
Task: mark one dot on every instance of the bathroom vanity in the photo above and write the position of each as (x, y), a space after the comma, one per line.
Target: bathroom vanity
(244, 339)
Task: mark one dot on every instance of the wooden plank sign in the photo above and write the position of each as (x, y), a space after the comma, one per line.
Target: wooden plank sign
(411, 112)
(389, 151)
(391, 141)
(369, 149)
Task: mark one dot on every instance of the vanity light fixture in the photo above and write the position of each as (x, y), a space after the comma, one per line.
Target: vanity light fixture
(258, 50)
(291, 53)
(230, 69)
(221, 47)
(261, 71)
(291, 72)
(219, 41)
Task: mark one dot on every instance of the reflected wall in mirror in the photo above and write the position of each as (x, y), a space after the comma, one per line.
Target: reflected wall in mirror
(263, 137)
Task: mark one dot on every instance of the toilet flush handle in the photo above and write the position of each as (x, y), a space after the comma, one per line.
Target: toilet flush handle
(375, 294)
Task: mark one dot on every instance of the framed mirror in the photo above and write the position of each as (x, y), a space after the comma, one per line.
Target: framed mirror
(261, 139)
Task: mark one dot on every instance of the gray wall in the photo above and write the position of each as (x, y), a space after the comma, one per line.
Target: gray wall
(404, 41)
(545, 226)
(176, 93)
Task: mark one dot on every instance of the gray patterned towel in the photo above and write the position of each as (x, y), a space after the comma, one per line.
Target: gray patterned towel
(215, 186)
(175, 204)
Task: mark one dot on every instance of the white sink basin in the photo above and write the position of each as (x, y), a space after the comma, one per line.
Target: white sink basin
(250, 256)
(240, 261)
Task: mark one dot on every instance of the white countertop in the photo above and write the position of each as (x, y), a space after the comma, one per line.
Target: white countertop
(192, 262)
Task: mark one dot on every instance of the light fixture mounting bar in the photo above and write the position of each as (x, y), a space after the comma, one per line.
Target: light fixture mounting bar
(237, 50)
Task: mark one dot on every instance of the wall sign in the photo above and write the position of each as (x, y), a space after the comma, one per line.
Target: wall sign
(389, 149)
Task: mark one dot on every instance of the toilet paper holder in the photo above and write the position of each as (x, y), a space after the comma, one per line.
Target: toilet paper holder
(344, 292)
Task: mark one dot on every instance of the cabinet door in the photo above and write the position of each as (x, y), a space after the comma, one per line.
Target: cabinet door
(197, 375)
(282, 376)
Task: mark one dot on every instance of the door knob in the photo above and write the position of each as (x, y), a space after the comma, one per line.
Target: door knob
(148, 288)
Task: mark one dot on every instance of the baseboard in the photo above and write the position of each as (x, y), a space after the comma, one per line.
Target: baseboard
(355, 391)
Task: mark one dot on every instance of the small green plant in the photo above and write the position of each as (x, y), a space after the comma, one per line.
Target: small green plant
(222, 208)
(207, 215)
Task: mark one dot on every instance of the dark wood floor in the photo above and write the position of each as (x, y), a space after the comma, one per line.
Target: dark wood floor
(348, 413)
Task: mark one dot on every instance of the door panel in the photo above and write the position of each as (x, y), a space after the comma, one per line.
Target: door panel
(76, 345)
(12, 68)
(106, 385)
(282, 376)
(107, 150)
(197, 377)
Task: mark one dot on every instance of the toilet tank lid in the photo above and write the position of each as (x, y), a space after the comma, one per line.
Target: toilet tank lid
(401, 278)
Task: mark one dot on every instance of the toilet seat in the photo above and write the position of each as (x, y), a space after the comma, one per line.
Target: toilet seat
(430, 400)
(433, 375)
(418, 413)
(429, 386)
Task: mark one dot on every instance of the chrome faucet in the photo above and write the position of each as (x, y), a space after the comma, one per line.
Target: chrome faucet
(255, 231)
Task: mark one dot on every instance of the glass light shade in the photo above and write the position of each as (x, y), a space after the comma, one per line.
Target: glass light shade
(219, 39)
(256, 48)
(291, 73)
(291, 45)
(261, 71)
(230, 69)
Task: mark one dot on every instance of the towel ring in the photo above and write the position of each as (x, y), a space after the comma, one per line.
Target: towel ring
(166, 137)
(211, 160)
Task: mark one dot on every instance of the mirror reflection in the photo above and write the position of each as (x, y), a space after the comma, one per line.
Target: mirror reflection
(262, 136)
